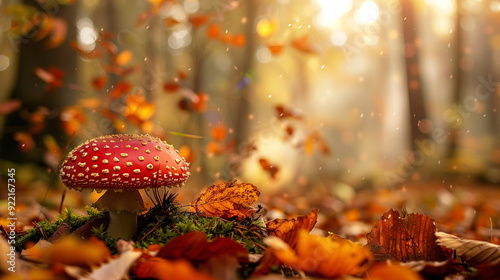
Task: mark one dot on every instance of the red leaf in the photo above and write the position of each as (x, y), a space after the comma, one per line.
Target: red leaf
(194, 247)
(410, 238)
(158, 268)
(9, 106)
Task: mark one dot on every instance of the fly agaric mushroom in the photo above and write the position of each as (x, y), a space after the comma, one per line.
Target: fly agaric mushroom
(122, 165)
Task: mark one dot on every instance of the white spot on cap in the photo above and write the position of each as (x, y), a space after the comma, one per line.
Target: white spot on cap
(82, 164)
(157, 158)
(141, 158)
(116, 168)
(124, 154)
(149, 166)
(137, 171)
(148, 151)
(94, 166)
(104, 161)
(94, 158)
(107, 154)
(115, 159)
(105, 171)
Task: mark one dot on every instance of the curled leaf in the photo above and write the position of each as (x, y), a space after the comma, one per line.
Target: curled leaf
(404, 239)
(473, 251)
(227, 200)
(159, 268)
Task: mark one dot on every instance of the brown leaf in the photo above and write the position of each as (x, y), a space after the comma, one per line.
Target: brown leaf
(194, 247)
(270, 168)
(473, 251)
(227, 200)
(284, 113)
(410, 238)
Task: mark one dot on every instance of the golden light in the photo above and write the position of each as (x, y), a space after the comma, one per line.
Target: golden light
(368, 12)
(331, 11)
(266, 28)
(443, 7)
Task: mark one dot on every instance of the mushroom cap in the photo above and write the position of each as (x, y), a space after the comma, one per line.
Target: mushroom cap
(124, 162)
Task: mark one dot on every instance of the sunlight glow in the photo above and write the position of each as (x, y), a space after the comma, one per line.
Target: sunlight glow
(368, 12)
(87, 36)
(331, 10)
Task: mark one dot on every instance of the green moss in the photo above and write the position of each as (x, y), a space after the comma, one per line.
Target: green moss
(47, 228)
(159, 228)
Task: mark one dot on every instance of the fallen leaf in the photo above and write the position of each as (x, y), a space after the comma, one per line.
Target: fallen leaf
(287, 230)
(72, 251)
(410, 238)
(226, 200)
(384, 271)
(472, 251)
(116, 269)
(193, 246)
(162, 269)
(433, 270)
(322, 256)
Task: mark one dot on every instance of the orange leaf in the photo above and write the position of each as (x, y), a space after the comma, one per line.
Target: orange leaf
(72, 251)
(213, 31)
(200, 104)
(405, 239)
(186, 153)
(99, 82)
(227, 200)
(119, 89)
(287, 229)
(384, 271)
(218, 132)
(123, 58)
(302, 44)
(239, 40)
(148, 267)
(193, 246)
(275, 48)
(284, 113)
(198, 19)
(322, 256)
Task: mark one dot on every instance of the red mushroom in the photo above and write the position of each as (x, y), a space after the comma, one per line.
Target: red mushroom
(123, 164)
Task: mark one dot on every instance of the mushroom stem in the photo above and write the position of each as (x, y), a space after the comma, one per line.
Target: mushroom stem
(123, 207)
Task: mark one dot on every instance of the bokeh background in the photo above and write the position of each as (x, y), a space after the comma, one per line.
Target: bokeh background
(316, 96)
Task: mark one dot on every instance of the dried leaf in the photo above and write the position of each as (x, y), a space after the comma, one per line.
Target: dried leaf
(384, 271)
(473, 251)
(52, 77)
(162, 269)
(287, 229)
(171, 87)
(227, 200)
(284, 113)
(410, 238)
(194, 247)
(322, 256)
(116, 269)
(198, 20)
(121, 88)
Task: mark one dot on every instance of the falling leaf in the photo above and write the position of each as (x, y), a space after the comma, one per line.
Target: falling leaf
(119, 70)
(52, 77)
(183, 75)
(123, 58)
(9, 106)
(72, 119)
(275, 48)
(170, 87)
(90, 103)
(92, 54)
(148, 267)
(193, 246)
(213, 31)
(226, 200)
(170, 22)
(121, 88)
(302, 44)
(198, 20)
(218, 132)
(384, 271)
(284, 113)
(25, 141)
(472, 251)
(58, 33)
(409, 238)
(142, 19)
(200, 103)
(239, 40)
(186, 152)
(322, 256)
(270, 168)
(313, 139)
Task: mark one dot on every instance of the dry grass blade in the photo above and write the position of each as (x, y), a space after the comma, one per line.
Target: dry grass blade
(473, 251)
